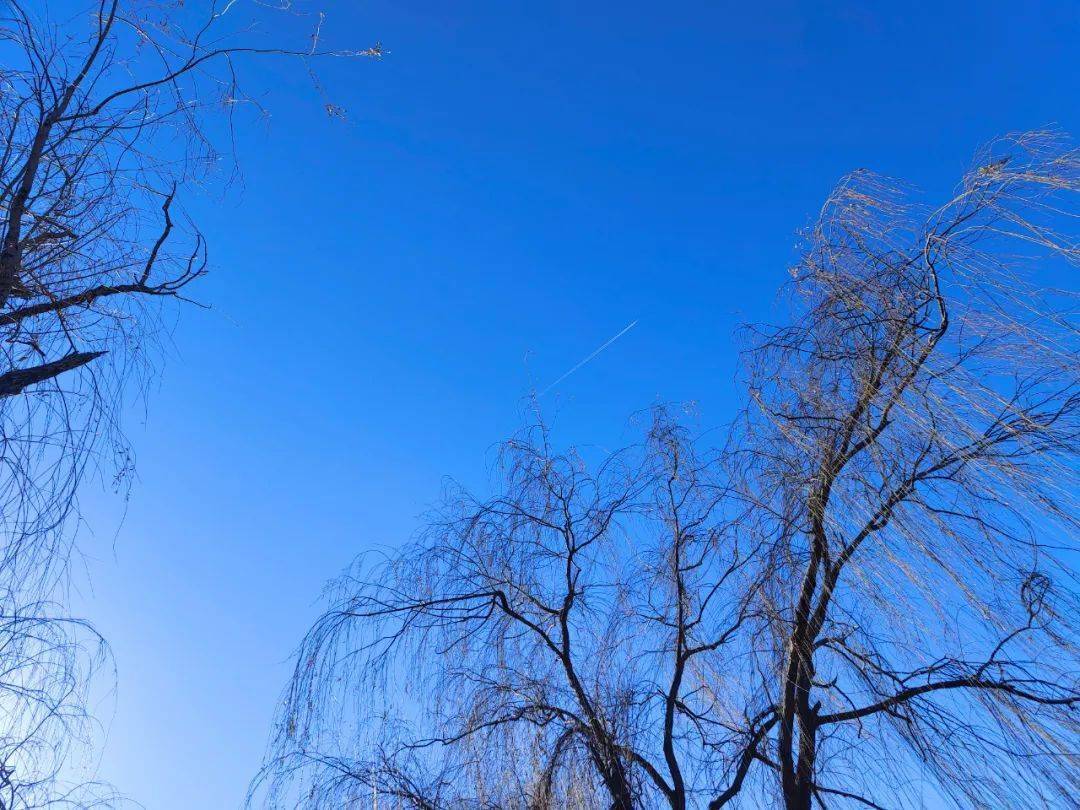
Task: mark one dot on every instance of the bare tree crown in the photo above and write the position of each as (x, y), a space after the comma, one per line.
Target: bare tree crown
(104, 127)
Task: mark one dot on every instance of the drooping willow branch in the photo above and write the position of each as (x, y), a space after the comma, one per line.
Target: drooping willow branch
(107, 123)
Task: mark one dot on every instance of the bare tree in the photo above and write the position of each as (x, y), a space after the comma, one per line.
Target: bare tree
(864, 598)
(554, 646)
(103, 124)
(913, 449)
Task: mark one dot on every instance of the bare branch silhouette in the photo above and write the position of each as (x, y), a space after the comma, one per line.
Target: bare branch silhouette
(105, 126)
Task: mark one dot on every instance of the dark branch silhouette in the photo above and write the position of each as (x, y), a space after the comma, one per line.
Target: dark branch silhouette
(105, 126)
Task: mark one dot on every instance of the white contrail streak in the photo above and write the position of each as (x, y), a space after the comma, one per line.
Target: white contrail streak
(626, 329)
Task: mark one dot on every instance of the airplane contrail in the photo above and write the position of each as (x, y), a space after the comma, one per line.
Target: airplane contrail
(626, 329)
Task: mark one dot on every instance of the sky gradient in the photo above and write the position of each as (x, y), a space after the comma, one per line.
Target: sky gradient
(516, 183)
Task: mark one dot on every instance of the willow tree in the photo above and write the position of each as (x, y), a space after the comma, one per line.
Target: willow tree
(866, 597)
(105, 126)
(550, 646)
(913, 441)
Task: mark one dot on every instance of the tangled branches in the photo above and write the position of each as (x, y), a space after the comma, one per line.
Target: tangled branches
(102, 124)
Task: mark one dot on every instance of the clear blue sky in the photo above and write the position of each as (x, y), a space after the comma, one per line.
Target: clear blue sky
(518, 181)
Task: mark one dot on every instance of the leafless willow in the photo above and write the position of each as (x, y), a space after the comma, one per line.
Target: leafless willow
(554, 646)
(866, 597)
(915, 433)
(105, 124)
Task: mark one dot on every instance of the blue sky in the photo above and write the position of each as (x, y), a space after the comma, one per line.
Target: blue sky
(517, 182)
